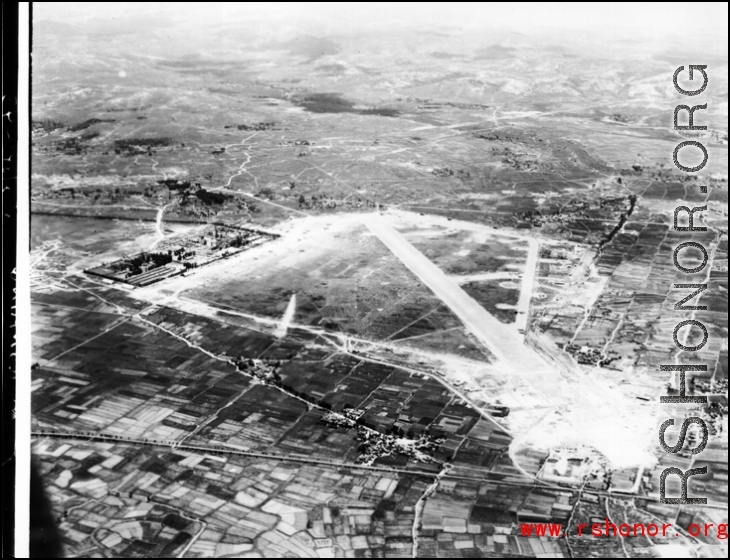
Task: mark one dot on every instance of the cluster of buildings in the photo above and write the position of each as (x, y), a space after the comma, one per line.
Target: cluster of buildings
(180, 255)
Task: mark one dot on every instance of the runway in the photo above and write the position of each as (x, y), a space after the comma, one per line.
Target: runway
(503, 341)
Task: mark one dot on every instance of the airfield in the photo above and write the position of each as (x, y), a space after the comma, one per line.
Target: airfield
(542, 391)
(359, 301)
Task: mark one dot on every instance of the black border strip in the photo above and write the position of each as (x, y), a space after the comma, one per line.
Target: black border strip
(10, 25)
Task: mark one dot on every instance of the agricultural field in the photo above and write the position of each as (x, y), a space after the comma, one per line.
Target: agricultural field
(127, 501)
